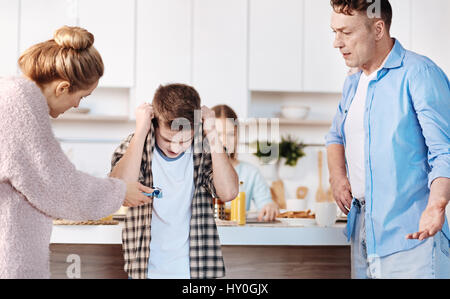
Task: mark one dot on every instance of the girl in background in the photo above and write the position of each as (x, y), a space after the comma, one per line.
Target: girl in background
(255, 186)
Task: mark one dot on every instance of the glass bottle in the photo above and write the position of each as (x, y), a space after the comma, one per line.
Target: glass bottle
(238, 212)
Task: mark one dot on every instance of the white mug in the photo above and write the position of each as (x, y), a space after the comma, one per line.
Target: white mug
(296, 204)
(326, 213)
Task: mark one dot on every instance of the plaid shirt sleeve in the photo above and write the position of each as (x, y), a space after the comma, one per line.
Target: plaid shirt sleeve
(136, 231)
(208, 180)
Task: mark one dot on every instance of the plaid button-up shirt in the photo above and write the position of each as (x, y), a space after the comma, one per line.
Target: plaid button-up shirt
(205, 254)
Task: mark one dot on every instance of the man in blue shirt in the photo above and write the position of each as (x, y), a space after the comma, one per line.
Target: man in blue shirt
(389, 149)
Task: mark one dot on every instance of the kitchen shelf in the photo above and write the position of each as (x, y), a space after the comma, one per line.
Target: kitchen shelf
(92, 117)
(306, 122)
(294, 122)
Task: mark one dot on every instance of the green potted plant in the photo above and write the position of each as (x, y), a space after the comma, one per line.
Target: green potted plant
(291, 150)
(268, 155)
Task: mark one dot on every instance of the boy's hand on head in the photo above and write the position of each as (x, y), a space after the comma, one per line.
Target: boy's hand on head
(209, 120)
(144, 116)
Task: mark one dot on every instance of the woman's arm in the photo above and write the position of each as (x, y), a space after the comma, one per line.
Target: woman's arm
(32, 161)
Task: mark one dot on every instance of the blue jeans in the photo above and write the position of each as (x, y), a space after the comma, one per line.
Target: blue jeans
(430, 259)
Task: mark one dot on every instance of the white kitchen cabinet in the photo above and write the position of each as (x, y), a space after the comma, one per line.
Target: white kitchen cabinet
(112, 22)
(324, 67)
(163, 46)
(430, 26)
(40, 19)
(9, 26)
(401, 21)
(220, 53)
(276, 45)
(93, 157)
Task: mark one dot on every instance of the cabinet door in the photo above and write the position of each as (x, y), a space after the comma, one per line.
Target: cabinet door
(401, 21)
(112, 23)
(164, 46)
(92, 157)
(276, 45)
(430, 25)
(324, 67)
(9, 26)
(40, 19)
(220, 53)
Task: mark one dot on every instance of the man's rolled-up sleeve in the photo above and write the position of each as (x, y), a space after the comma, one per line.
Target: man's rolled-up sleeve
(334, 136)
(430, 92)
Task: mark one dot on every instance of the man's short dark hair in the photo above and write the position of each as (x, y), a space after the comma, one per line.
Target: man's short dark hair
(175, 101)
(349, 7)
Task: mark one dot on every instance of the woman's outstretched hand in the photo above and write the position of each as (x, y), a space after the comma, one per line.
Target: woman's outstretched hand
(135, 197)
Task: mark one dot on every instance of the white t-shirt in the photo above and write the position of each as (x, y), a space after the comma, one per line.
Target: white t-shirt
(171, 215)
(354, 135)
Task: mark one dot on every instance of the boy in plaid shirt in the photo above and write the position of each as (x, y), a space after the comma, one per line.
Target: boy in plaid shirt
(175, 147)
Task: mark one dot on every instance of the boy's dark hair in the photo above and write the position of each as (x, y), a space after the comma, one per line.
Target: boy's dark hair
(348, 7)
(175, 101)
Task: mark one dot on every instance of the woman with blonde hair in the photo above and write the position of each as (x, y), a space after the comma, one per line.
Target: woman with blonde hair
(37, 181)
(255, 187)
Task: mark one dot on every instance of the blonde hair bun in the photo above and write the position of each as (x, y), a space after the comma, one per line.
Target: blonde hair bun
(74, 38)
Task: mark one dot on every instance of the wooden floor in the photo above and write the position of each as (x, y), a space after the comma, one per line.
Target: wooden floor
(258, 262)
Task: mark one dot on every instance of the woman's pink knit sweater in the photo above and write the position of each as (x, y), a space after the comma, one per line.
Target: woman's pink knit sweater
(38, 183)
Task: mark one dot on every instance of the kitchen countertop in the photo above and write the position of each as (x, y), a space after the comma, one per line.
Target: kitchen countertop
(250, 234)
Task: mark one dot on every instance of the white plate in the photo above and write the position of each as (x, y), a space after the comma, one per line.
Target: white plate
(298, 221)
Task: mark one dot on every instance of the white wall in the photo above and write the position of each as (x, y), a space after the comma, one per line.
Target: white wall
(9, 36)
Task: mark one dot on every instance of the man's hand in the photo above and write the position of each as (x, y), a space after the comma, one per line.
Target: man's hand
(342, 193)
(433, 217)
(269, 212)
(431, 221)
(209, 120)
(340, 186)
(134, 196)
(144, 116)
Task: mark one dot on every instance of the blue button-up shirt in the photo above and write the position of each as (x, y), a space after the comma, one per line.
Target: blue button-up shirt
(407, 146)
